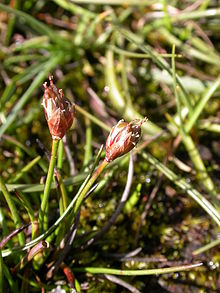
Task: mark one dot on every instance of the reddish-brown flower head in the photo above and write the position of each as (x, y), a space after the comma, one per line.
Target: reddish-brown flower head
(58, 110)
(123, 138)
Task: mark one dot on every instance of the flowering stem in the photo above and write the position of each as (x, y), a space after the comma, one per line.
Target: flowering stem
(43, 218)
(59, 178)
(91, 181)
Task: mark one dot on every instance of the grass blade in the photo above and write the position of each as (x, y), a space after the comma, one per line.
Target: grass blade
(109, 271)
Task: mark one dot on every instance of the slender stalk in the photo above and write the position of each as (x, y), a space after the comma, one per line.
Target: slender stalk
(43, 217)
(13, 209)
(137, 272)
(178, 104)
(59, 177)
(91, 181)
(60, 153)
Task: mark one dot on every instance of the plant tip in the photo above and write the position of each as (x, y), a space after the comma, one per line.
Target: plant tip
(59, 112)
(123, 137)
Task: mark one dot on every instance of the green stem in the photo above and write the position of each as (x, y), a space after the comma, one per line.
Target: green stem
(43, 217)
(59, 177)
(62, 217)
(137, 272)
(60, 155)
(13, 209)
(89, 184)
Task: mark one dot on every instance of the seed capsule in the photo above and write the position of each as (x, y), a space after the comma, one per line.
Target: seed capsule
(58, 110)
(123, 138)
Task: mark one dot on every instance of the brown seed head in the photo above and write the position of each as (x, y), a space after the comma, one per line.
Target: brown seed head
(123, 138)
(58, 110)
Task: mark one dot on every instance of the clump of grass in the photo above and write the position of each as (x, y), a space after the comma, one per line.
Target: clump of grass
(59, 224)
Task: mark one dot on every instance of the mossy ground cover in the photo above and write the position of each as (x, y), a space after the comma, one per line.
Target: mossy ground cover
(150, 222)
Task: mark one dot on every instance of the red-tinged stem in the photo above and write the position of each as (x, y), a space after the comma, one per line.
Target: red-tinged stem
(91, 181)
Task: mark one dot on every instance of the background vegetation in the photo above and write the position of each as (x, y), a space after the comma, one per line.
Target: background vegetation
(152, 222)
